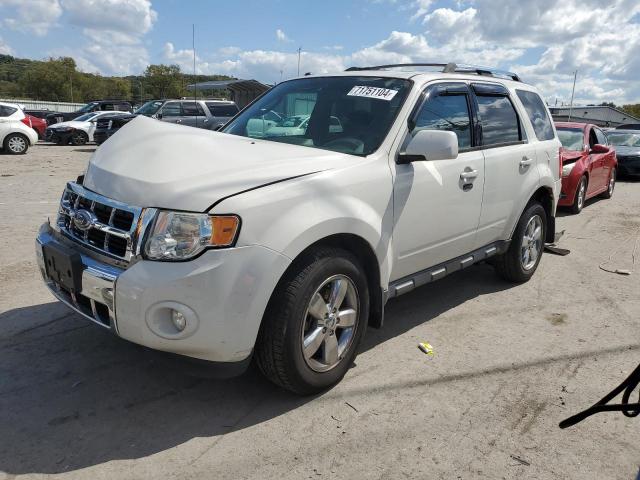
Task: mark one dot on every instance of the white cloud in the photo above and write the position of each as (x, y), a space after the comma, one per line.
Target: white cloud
(572, 35)
(4, 48)
(282, 37)
(114, 30)
(30, 16)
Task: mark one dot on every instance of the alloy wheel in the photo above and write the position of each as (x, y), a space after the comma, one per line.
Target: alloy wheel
(582, 193)
(531, 243)
(330, 322)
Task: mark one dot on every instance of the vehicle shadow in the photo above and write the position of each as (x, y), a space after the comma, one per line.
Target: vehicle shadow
(72, 395)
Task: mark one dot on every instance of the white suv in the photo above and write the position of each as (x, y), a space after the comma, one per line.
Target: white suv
(15, 136)
(222, 247)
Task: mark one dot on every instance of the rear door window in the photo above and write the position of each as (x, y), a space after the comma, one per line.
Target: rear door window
(498, 119)
(192, 109)
(172, 109)
(537, 113)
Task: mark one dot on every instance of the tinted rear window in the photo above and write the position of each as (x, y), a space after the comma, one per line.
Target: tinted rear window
(6, 111)
(498, 119)
(537, 112)
(222, 110)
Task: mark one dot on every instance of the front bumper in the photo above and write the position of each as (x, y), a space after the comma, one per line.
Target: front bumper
(223, 294)
(52, 135)
(629, 166)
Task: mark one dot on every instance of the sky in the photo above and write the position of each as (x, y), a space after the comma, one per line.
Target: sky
(543, 41)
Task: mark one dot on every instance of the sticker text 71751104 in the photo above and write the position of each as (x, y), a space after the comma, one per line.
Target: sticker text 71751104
(372, 92)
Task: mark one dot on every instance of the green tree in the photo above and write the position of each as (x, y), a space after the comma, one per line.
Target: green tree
(632, 109)
(162, 81)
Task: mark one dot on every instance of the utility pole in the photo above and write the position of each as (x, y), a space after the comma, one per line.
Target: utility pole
(193, 43)
(71, 86)
(299, 52)
(575, 75)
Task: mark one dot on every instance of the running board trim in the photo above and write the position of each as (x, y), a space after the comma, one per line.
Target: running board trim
(408, 283)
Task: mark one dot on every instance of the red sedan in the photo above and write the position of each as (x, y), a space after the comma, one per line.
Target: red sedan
(588, 164)
(38, 124)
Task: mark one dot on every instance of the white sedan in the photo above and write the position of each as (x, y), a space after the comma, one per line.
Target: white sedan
(77, 131)
(15, 136)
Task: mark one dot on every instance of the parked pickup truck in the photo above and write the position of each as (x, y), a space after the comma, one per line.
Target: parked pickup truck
(223, 247)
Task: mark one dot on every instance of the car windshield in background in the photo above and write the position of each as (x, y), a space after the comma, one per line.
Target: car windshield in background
(363, 107)
(149, 108)
(88, 107)
(571, 138)
(620, 139)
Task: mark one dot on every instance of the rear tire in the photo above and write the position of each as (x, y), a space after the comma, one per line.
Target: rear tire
(581, 195)
(16, 144)
(305, 345)
(520, 261)
(611, 185)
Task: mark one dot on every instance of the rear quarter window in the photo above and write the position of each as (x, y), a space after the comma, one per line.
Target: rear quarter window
(7, 111)
(534, 106)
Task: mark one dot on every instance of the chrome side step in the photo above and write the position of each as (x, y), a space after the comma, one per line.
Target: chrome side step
(408, 283)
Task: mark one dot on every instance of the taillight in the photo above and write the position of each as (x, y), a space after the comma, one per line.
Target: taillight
(560, 162)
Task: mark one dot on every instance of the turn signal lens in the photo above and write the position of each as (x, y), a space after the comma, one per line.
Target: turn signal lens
(224, 230)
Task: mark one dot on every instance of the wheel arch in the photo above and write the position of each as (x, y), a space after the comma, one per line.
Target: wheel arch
(364, 252)
(544, 196)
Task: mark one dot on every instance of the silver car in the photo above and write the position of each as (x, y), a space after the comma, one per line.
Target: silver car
(208, 114)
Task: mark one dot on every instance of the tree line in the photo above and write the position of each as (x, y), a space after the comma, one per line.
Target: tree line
(59, 80)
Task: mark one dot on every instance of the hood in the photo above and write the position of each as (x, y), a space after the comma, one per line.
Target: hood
(150, 163)
(570, 155)
(624, 151)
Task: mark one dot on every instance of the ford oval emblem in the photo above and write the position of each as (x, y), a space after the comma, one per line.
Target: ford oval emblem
(83, 219)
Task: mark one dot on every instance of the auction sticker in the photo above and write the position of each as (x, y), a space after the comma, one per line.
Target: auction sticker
(372, 92)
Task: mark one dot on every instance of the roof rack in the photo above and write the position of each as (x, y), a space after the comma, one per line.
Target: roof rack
(447, 68)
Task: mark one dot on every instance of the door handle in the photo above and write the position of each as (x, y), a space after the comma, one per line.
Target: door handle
(526, 161)
(178, 121)
(468, 174)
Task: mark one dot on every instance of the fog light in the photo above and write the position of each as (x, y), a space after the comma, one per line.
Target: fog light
(178, 319)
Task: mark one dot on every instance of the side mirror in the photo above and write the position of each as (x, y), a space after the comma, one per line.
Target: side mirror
(159, 115)
(218, 127)
(430, 145)
(599, 148)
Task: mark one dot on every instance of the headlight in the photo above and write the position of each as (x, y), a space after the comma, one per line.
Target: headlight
(180, 235)
(566, 169)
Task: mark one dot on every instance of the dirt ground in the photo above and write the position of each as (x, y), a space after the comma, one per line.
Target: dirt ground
(510, 362)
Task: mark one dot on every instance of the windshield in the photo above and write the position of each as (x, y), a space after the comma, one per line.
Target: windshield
(571, 138)
(88, 107)
(149, 108)
(620, 139)
(86, 117)
(365, 108)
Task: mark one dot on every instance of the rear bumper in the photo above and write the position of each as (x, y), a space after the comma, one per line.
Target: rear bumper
(628, 166)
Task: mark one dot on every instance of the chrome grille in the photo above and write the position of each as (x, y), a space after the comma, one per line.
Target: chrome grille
(99, 222)
(104, 123)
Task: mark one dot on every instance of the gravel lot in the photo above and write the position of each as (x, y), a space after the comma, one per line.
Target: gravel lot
(510, 363)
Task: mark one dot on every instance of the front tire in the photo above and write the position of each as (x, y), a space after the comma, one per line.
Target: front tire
(16, 144)
(581, 196)
(520, 261)
(79, 138)
(314, 322)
